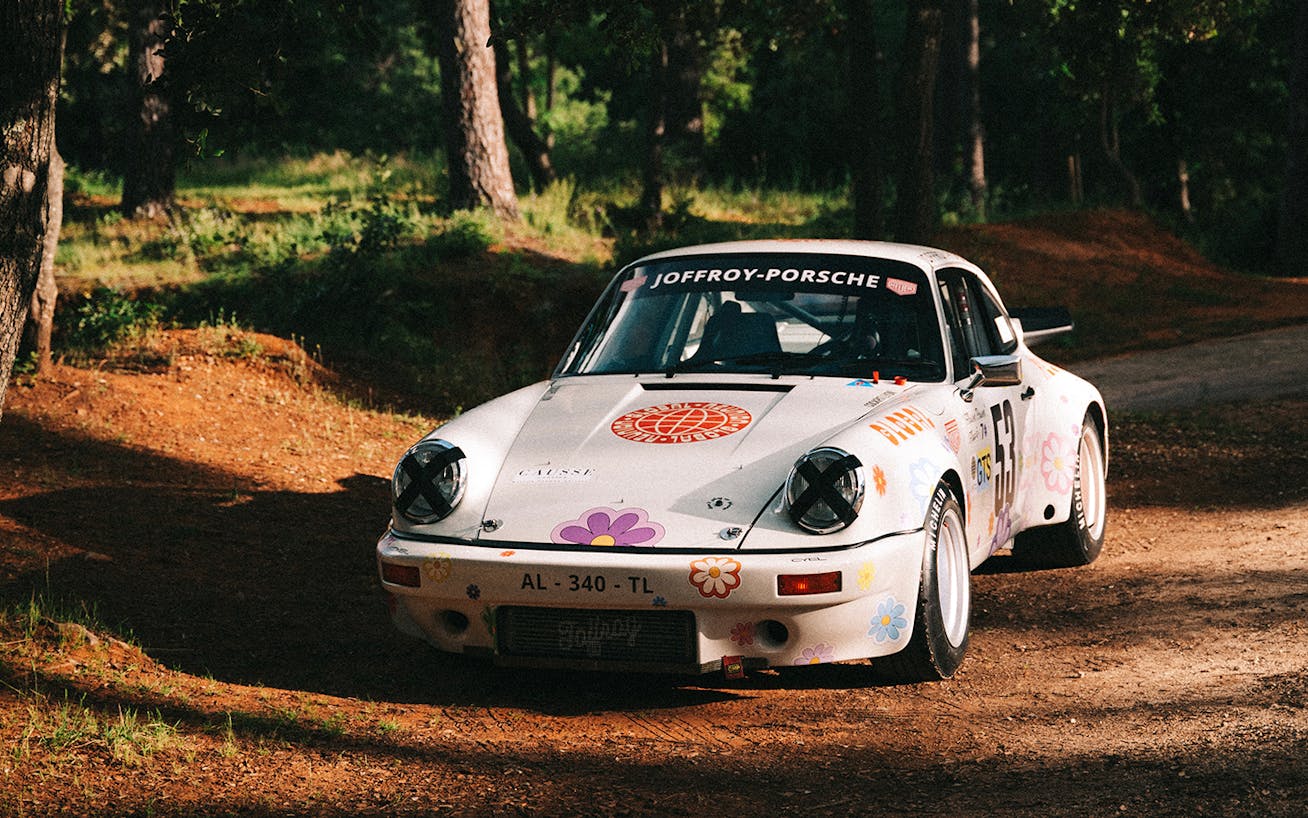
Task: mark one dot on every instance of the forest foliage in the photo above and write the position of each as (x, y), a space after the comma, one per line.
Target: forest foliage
(311, 145)
(1201, 85)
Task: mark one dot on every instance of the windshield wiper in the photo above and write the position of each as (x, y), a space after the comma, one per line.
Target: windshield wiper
(752, 359)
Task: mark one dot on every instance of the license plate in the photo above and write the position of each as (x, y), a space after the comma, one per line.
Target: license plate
(608, 584)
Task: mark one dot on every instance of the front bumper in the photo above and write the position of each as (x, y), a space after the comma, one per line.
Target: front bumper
(590, 609)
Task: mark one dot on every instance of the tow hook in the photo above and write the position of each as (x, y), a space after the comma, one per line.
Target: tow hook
(733, 667)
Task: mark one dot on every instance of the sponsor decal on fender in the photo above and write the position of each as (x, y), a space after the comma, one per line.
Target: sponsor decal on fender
(685, 422)
(902, 424)
(953, 436)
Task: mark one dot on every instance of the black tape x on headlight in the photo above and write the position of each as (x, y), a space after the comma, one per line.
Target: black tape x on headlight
(428, 482)
(824, 491)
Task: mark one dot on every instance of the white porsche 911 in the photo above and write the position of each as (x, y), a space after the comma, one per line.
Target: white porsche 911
(753, 454)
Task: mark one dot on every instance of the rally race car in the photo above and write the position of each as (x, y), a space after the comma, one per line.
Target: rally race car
(753, 454)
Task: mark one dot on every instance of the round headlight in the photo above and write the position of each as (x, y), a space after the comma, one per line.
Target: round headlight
(824, 491)
(428, 481)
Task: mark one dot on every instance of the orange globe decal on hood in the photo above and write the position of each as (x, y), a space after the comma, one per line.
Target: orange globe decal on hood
(687, 422)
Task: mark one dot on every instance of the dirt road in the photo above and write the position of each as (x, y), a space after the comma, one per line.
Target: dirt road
(234, 542)
(1262, 366)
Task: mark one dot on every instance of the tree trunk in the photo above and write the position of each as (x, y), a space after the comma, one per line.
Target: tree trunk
(976, 131)
(1183, 180)
(1292, 238)
(474, 127)
(149, 177)
(685, 99)
(31, 38)
(1075, 187)
(951, 97)
(524, 71)
(40, 316)
(915, 203)
(1111, 142)
(519, 123)
(865, 115)
(651, 197)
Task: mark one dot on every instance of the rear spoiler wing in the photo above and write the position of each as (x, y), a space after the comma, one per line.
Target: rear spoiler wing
(1037, 324)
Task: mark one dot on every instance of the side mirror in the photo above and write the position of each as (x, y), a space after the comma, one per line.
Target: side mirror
(992, 370)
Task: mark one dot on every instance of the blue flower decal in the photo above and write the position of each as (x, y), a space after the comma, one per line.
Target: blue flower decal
(889, 621)
(474, 592)
(660, 602)
(922, 479)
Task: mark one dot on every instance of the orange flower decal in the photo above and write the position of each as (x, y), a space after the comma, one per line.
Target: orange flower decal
(715, 576)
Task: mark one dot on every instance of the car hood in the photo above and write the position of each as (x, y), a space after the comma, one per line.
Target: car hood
(661, 462)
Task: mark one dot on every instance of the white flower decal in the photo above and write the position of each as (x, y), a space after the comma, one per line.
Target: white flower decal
(715, 576)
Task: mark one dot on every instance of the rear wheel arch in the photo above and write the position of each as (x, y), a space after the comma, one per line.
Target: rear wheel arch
(1095, 412)
(1079, 539)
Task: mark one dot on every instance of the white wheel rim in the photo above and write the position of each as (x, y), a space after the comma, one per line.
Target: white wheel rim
(1090, 479)
(953, 577)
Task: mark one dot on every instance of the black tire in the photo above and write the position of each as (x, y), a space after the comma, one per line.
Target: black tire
(940, 632)
(1079, 539)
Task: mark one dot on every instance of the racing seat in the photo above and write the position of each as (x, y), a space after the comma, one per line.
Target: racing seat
(732, 333)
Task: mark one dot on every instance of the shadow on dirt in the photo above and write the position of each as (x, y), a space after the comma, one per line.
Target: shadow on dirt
(278, 588)
(273, 588)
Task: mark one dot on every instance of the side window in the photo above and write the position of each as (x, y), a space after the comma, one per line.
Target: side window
(1002, 338)
(967, 323)
(957, 347)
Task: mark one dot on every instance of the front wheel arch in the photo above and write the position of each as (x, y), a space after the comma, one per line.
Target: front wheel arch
(942, 619)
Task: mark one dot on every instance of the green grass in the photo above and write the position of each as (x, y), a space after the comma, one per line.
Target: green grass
(72, 617)
(303, 184)
(59, 728)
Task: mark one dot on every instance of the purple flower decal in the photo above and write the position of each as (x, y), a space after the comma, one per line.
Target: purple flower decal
(1003, 529)
(816, 655)
(474, 592)
(604, 526)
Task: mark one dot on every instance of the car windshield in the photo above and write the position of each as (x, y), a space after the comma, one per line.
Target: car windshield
(781, 314)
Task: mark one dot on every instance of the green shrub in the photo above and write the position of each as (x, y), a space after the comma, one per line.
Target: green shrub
(110, 317)
(464, 234)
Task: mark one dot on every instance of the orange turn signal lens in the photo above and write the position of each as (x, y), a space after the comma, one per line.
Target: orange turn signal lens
(396, 574)
(804, 584)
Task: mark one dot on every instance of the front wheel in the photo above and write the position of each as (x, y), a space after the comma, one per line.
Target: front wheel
(944, 604)
(1079, 539)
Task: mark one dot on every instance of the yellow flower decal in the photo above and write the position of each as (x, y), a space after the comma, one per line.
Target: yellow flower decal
(438, 568)
(865, 575)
